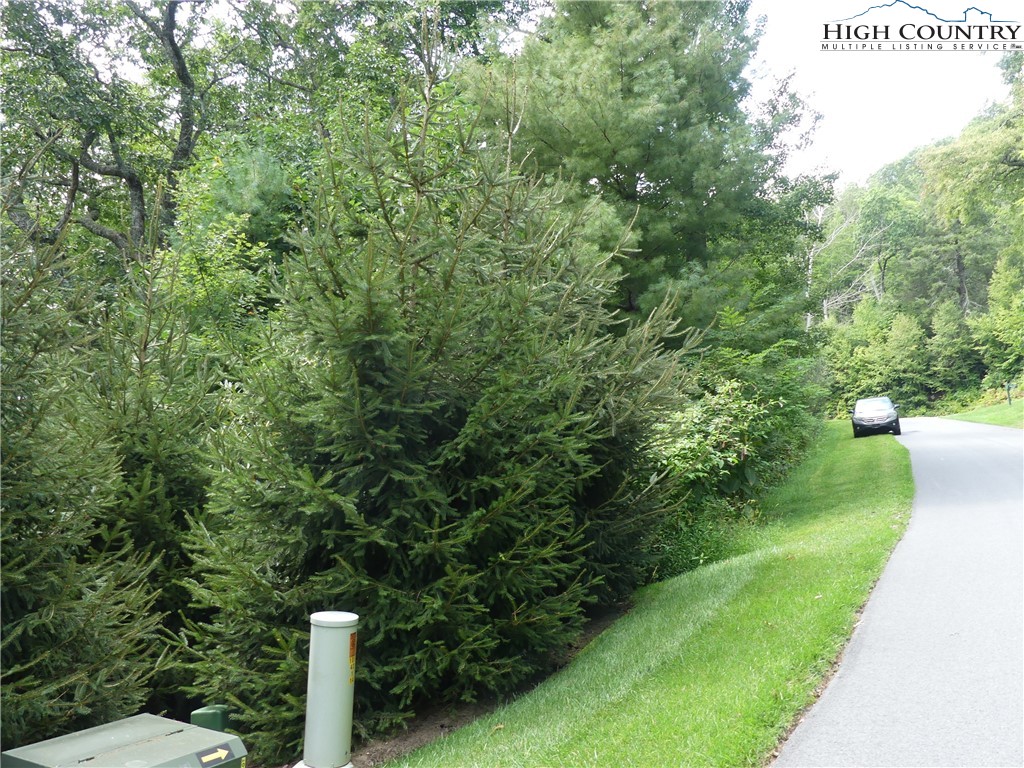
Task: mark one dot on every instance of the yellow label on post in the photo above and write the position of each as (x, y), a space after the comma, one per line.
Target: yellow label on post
(352, 658)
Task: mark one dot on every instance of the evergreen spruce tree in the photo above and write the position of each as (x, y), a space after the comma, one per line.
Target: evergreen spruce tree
(154, 396)
(80, 638)
(441, 436)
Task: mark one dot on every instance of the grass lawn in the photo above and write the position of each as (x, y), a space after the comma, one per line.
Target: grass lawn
(1002, 415)
(712, 667)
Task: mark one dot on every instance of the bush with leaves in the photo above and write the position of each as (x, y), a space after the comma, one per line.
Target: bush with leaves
(81, 639)
(442, 436)
(705, 447)
(747, 425)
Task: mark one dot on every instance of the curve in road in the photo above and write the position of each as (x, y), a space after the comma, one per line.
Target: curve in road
(934, 672)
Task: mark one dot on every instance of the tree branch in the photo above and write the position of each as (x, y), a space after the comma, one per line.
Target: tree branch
(187, 88)
(14, 200)
(1012, 159)
(189, 129)
(117, 238)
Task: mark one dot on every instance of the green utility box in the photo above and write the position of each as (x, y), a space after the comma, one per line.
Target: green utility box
(143, 741)
(215, 717)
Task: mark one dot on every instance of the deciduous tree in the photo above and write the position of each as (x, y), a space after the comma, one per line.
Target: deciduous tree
(101, 126)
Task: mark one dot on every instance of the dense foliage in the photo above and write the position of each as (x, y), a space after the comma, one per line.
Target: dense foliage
(643, 104)
(81, 636)
(315, 305)
(602, 99)
(440, 434)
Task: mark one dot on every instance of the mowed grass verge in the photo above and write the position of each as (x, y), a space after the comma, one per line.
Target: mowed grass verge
(1002, 415)
(712, 667)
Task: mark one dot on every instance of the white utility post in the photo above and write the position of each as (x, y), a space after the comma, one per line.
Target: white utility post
(329, 691)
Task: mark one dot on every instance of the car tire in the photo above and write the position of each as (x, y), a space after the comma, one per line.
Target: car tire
(896, 429)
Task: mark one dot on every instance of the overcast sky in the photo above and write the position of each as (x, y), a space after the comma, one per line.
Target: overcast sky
(878, 105)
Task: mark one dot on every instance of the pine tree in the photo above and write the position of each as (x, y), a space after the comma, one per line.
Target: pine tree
(640, 102)
(153, 393)
(441, 437)
(80, 638)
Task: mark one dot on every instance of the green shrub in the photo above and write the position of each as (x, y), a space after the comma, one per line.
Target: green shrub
(699, 534)
(707, 452)
(442, 436)
(738, 437)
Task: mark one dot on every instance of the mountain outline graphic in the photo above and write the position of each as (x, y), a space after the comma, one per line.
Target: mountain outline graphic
(905, 4)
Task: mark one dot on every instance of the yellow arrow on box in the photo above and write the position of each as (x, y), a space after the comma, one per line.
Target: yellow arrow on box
(220, 754)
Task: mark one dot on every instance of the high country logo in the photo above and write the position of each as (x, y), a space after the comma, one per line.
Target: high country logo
(901, 26)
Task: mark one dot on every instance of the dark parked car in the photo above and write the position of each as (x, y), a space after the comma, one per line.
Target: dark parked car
(875, 414)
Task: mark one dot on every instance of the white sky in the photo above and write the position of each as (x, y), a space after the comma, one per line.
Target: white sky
(878, 105)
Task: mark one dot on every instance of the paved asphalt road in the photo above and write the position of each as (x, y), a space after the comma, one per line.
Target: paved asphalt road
(934, 673)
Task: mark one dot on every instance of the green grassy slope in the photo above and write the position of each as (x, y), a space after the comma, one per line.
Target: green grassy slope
(1002, 415)
(712, 667)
